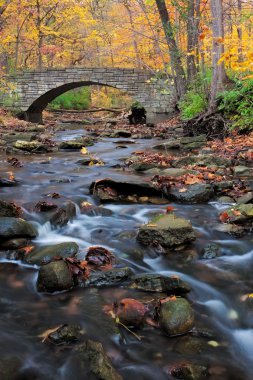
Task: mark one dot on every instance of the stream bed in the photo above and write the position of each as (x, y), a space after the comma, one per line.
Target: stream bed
(223, 340)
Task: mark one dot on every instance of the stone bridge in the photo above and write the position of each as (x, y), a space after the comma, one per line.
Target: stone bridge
(32, 91)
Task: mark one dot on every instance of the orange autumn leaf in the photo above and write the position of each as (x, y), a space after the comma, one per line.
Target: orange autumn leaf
(224, 217)
(170, 209)
(237, 213)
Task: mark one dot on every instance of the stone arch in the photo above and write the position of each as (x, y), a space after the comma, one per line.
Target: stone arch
(34, 90)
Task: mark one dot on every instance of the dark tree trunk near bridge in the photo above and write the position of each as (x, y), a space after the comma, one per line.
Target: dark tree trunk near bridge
(175, 57)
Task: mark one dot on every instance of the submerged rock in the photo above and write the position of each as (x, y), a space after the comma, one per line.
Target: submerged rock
(13, 227)
(46, 254)
(9, 209)
(64, 214)
(94, 362)
(54, 277)
(166, 230)
(157, 283)
(196, 193)
(202, 160)
(111, 277)
(211, 251)
(176, 316)
(9, 368)
(189, 371)
(65, 334)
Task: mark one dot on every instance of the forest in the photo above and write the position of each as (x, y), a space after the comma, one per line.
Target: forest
(126, 189)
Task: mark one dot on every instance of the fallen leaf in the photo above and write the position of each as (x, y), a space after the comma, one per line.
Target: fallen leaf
(46, 333)
(84, 150)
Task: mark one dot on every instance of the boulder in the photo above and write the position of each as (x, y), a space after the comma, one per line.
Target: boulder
(196, 193)
(13, 227)
(246, 198)
(94, 362)
(46, 254)
(176, 316)
(149, 282)
(167, 230)
(31, 146)
(243, 171)
(194, 142)
(112, 277)
(54, 277)
(9, 209)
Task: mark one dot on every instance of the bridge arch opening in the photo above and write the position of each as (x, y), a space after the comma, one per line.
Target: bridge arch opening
(35, 110)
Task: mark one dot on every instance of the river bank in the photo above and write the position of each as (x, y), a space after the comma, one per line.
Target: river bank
(168, 293)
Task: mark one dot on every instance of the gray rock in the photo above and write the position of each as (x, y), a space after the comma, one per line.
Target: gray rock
(13, 227)
(196, 193)
(158, 283)
(211, 251)
(54, 277)
(166, 230)
(31, 146)
(225, 199)
(246, 198)
(46, 254)
(95, 363)
(243, 171)
(172, 144)
(174, 172)
(202, 160)
(176, 316)
(111, 277)
(121, 133)
(239, 213)
(76, 144)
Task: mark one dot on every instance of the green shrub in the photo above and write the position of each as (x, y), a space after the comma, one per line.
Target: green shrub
(77, 99)
(192, 104)
(237, 105)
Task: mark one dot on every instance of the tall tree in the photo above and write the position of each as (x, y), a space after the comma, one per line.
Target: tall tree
(219, 75)
(174, 52)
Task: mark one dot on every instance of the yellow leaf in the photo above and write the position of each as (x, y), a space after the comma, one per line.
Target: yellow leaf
(84, 150)
(213, 343)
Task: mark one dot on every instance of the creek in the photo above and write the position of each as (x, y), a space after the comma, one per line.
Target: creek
(217, 285)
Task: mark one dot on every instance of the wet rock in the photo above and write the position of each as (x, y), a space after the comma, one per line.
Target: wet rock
(143, 166)
(174, 172)
(246, 198)
(189, 371)
(232, 229)
(196, 193)
(46, 254)
(158, 283)
(172, 144)
(121, 133)
(65, 334)
(9, 368)
(239, 213)
(108, 190)
(225, 199)
(166, 230)
(54, 277)
(8, 182)
(76, 144)
(176, 316)
(63, 215)
(243, 171)
(130, 312)
(31, 146)
(95, 363)
(14, 243)
(13, 227)
(195, 142)
(211, 251)
(9, 209)
(222, 186)
(111, 277)
(96, 211)
(90, 161)
(23, 136)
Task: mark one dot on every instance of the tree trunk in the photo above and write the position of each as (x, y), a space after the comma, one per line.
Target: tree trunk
(219, 75)
(175, 58)
(239, 31)
(191, 41)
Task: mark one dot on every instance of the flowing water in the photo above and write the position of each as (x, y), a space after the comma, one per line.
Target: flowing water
(217, 285)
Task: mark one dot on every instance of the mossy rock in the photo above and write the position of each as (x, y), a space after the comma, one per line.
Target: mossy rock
(176, 316)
